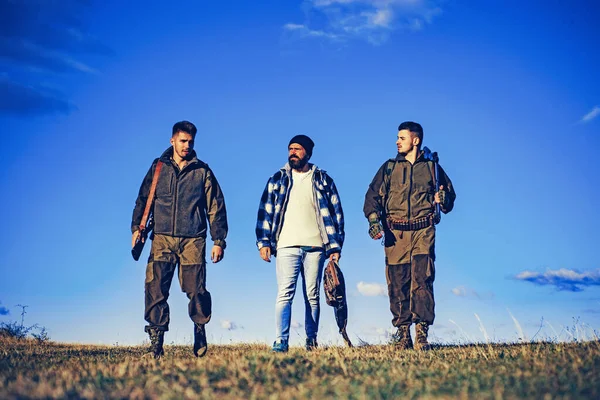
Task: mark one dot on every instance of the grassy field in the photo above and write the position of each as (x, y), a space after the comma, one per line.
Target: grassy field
(538, 370)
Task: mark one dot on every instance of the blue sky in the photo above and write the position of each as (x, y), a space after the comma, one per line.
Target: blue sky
(508, 95)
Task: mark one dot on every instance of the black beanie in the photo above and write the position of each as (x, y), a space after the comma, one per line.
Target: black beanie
(305, 142)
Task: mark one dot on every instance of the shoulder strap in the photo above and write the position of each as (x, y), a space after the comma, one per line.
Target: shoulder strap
(150, 199)
(389, 168)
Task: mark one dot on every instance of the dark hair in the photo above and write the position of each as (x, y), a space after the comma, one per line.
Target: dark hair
(184, 126)
(415, 128)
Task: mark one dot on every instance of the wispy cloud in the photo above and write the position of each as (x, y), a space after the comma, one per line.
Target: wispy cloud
(591, 115)
(563, 279)
(463, 291)
(41, 41)
(229, 325)
(384, 333)
(23, 100)
(370, 20)
(371, 289)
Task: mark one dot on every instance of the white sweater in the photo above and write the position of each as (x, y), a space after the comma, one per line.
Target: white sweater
(300, 226)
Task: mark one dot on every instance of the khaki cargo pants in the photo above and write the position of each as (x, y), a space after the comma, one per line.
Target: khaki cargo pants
(166, 254)
(410, 272)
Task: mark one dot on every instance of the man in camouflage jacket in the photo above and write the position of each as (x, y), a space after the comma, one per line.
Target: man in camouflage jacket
(400, 206)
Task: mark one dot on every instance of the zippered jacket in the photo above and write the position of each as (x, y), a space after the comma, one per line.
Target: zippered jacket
(271, 211)
(407, 191)
(184, 200)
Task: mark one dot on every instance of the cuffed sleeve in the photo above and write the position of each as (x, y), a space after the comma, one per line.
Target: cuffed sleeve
(449, 189)
(373, 200)
(264, 220)
(215, 209)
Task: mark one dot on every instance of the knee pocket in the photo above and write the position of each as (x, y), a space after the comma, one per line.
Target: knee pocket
(149, 273)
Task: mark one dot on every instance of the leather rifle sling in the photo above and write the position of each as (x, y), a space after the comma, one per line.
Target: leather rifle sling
(150, 200)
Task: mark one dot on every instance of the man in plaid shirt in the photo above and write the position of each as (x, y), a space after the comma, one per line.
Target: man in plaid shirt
(301, 222)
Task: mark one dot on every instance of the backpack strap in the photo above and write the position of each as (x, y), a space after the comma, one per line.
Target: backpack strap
(387, 177)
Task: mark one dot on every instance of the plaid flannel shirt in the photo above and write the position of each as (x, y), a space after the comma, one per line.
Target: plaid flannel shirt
(274, 201)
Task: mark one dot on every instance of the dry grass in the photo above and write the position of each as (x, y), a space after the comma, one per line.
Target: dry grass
(537, 370)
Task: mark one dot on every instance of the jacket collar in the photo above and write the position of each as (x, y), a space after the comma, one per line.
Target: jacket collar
(288, 170)
(400, 157)
(167, 155)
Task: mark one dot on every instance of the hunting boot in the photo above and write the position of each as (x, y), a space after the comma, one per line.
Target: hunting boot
(311, 344)
(401, 339)
(200, 345)
(157, 338)
(422, 329)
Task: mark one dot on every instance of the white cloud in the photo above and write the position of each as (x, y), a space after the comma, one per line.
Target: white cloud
(371, 289)
(463, 291)
(370, 20)
(304, 31)
(563, 279)
(295, 324)
(459, 291)
(591, 115)
(229, 325)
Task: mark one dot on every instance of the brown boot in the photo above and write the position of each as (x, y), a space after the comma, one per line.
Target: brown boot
(421, 343)
(401, 339)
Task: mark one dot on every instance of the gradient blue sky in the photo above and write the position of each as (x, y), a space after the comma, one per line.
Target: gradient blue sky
(508, 95)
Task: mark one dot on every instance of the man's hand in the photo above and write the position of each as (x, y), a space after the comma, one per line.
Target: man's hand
(375, 228)
(265, 253)
(134, 238)
(335, 257)
(217, 254)
(440, 196)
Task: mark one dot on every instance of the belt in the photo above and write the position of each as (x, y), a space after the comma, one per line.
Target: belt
(413, 224)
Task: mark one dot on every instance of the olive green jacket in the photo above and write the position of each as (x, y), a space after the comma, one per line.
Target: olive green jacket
(405, 191)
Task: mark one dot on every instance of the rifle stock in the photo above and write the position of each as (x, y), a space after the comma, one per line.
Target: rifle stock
(136, 250)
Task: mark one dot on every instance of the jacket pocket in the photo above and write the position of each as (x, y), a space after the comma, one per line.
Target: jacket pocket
(165, 186)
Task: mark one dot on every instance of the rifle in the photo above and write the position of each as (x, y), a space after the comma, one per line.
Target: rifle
(433, 157)
(147, 223)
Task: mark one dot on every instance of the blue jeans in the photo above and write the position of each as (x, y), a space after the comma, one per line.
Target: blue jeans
(292, 261)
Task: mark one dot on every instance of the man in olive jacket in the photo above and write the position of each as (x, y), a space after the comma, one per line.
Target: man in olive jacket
(187, 193)
(400, 204)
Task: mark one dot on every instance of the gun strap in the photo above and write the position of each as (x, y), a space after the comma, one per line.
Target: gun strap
(150, 200)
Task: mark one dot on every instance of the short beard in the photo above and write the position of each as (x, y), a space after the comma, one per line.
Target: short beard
(297, 163)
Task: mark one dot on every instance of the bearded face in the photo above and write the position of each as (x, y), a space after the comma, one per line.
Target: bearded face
(296, 162)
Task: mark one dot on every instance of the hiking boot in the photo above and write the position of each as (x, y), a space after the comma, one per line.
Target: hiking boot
(280, 346)
(401, 339)
(200, 345)
(421, 343)
(157, 338)
(311, 344)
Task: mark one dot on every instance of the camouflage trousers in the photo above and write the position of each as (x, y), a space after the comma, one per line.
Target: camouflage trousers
(168, 253)
(410, 272)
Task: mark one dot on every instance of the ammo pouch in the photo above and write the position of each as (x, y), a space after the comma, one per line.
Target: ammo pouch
(413, 224)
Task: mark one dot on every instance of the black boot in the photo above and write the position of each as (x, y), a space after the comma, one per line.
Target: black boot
(200, 345)
(157, 338)
(311, 344)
